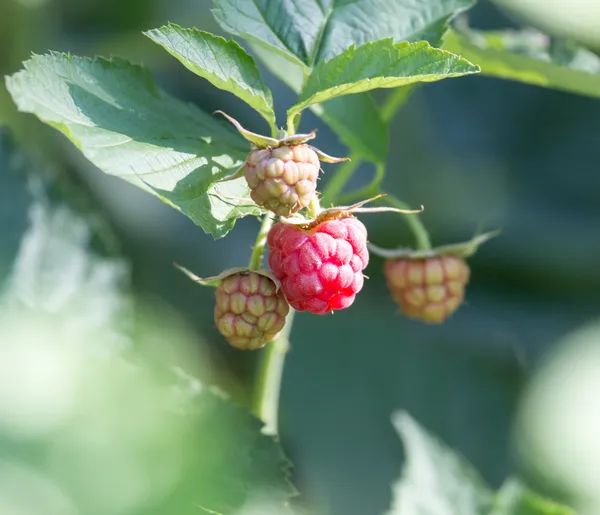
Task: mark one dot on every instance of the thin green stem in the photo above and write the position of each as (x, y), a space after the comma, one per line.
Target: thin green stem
(259, 244)
(395, 101)
(413, 221)
(270, 369)
(268, 380)
(370, 190)
(314, 207)
(293, 121)
(337, 182)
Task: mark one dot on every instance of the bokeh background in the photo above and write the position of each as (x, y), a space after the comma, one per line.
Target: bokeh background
(476, 152)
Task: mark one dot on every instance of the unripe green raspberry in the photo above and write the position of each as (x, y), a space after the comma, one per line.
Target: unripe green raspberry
(282, 179)
(249, 310)
(429, 289)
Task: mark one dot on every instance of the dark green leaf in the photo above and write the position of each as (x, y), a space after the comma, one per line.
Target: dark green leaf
(123, 436)
(313, 31)
(531, 58)
(224, 63)
(233, 462)
(115, 114)
(435, 480)
(355, 118)
(382, 64)
(514, 499)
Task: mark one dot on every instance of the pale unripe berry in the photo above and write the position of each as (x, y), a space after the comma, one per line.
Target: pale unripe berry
(428, 289)
(282, 179)
(249, 310)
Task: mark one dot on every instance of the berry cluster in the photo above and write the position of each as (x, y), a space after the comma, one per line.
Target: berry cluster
(316, 264)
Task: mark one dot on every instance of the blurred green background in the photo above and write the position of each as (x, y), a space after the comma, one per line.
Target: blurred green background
(506, 155)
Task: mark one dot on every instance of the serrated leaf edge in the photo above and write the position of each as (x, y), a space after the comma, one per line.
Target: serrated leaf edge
(268, 114)
(303, 103)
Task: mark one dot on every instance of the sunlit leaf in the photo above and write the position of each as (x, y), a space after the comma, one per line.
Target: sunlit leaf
(435, 480)
(115, 114)
(382, 64)
(355, 119)
(529, 57)
(224, 63)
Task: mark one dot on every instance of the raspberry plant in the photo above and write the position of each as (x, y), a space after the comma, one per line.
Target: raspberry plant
(332, 54)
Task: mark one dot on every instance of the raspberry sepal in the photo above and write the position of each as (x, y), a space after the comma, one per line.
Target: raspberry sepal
(463, 249)
(216, 280)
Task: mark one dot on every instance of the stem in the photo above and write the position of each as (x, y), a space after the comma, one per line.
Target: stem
(395, 101)
(414, 222)
(273, 127)
(370, 190)
(259, 244)
(270, 369)
(314, 207)
(338, 181)
(268, 382)
(293, 122)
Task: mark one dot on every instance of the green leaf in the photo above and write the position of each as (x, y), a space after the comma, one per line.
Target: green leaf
(514, 499)
(115, 114)
(124, 435)
(233, 461)
(529, 57)
(355, 119)
(313, 31)
(435, 480)
(382, 64)
(224, 63)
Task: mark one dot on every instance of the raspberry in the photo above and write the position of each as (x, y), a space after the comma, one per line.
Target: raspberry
(282, 179)
(320, 268)
(249, 310)
(428, 289)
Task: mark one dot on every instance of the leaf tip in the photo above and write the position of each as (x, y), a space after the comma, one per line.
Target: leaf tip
(402, 421)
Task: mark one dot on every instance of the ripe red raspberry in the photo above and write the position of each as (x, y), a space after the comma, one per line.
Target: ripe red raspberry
(249, 311)
(320, 268)
(282, 179)
(429, 289)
